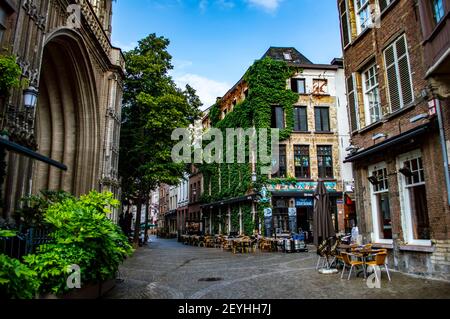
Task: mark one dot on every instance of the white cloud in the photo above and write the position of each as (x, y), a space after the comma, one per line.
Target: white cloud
(208, 90)
(125, 47)
(270, 5)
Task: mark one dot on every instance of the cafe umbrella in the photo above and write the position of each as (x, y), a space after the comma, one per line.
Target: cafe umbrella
(323, 225)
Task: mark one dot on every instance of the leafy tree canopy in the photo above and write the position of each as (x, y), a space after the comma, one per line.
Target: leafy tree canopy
(153, 107)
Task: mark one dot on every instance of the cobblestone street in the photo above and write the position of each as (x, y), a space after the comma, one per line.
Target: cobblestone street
(167, 269)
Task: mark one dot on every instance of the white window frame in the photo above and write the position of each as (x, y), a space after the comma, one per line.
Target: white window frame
(433, 4)
(374, 206)
(367, 90)
(388, 3)
(397, 71)
(405, 203)
(364, 7)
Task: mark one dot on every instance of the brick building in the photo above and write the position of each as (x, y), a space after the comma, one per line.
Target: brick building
(311, 153)
(195, 221)
(396, 151)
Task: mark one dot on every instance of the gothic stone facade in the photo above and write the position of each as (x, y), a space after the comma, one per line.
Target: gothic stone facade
(63, 48)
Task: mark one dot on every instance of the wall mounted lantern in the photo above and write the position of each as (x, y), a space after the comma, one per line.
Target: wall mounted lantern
(30, 96)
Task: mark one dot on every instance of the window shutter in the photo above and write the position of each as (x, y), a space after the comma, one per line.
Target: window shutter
(303, 119)
(392, 79)
(294, 85)
(352, 103)
(326, 119)
(296, 119)
(403, 67)
(345, 23)
(317, 119)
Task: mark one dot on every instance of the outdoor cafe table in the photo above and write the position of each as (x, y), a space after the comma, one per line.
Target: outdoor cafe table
(358, 252)
(236, 242)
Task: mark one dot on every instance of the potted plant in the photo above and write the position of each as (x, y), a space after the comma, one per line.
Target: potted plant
(83, 238)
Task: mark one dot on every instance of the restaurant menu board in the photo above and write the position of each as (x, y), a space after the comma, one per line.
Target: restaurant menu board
(268, 222)
(293, 219)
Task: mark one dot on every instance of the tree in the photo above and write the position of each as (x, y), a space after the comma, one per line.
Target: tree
(152, 108)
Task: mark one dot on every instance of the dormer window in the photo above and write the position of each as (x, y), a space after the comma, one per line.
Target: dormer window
(287, 56)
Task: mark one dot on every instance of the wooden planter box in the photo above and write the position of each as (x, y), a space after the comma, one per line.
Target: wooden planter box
(93, 291)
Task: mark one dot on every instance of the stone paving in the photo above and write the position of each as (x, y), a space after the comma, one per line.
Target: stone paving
(166, 269)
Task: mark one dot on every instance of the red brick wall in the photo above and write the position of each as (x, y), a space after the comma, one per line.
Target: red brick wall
(401, 18)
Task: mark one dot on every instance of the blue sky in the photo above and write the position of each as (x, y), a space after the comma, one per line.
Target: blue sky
(213, 42)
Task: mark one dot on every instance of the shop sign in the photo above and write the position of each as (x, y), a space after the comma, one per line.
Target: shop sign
(301, 186)
(304, 202)
(268, 212)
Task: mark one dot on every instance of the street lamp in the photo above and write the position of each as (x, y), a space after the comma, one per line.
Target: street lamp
(30, 97)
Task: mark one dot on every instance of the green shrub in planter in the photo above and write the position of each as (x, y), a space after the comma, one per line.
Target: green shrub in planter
(52, 265)
(82, 235)
(34, 208)
(17, 281)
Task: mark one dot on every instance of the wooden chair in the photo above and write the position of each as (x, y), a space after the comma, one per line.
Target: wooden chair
(380, 261)
(348, 262)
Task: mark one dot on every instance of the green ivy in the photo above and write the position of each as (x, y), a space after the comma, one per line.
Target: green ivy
(82, 235)
(247, 219)
(17, 281)
(266, 80)
(9, 73)
(235, 218)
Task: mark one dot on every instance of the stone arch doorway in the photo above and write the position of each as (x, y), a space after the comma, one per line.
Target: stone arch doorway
(67, 128)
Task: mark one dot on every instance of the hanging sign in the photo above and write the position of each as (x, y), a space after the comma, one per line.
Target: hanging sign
(268, 212)
(292, 212)
(304, 202)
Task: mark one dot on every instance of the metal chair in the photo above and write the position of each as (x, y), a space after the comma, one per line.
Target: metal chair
(348, 262)
(380, 261)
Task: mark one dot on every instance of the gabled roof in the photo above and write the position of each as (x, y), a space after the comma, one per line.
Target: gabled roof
(290, 55)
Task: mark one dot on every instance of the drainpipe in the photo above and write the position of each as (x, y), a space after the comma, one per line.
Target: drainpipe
(444, 148)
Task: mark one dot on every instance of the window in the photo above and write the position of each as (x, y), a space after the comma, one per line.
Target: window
(2, 22)
(298, 86)
(278, 117)
(322, 117)
(384, 4)
(325, 161)
(246, 93)
(381, 209)
(345, 26)
(363, 16)
(353, 102)
(398, 74)
(371, 95)
(302, 161)
(320, 86)
(300, 119)
(282, 163)
(438, 10)
(414, 194)
(287, 56)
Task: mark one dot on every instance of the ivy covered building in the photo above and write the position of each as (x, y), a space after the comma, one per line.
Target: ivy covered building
(307, 102)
